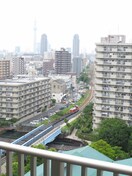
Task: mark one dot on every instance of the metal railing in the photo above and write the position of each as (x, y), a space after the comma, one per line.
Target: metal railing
(58, 164)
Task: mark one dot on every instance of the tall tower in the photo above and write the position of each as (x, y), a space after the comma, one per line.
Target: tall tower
(113, 80)
(44, 44)
(76, 44)
(35, 37)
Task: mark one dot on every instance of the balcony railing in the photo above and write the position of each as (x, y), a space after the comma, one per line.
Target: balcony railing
(58, 164)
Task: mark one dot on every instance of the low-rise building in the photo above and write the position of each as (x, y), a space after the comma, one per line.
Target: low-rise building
(58, 89)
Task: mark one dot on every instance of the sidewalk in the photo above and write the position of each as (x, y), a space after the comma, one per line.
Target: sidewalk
(73, 136)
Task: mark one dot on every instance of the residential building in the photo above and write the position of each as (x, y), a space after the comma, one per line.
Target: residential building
(18, 66)
(23, 96)
(62, 61)
(4, 69)
(76, 44)
(44, 44)
(113, 80)
(77, 65)
(48, 65)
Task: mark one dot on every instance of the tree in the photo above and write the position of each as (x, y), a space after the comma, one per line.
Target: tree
(84, 122)
(53, 101)
(112, 152)
(66, 121)
(39, 146)
(120, 154)
(114, 131)
(103, 147)
(15, 168)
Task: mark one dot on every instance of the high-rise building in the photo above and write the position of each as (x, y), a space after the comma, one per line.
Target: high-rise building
(113, 80)
(62, 61)
(22, 97)
(77, 65)
(76, 44)
(35, 38)
(18, 66)
(4, 69)
(44, 44)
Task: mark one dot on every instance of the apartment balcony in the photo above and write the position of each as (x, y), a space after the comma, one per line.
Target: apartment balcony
(58, 164)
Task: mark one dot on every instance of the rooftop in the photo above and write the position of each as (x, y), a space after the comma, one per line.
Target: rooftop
(21, 80)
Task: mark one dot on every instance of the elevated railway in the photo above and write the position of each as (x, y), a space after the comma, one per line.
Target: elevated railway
(46, 133)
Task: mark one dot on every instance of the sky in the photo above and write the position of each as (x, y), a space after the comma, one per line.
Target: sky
(60, 20)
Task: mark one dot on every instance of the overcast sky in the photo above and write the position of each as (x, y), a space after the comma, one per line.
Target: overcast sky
(61, 19)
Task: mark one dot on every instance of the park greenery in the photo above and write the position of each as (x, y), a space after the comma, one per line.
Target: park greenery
(83, 123)
(7, 123)
(113, 137)
(58, 115)
(84, 76)
(113, 152)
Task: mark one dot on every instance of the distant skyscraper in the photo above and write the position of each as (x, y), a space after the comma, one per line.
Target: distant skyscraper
(76, 44)
(44, 44)
(35, 37)
(77, 65)
(62, 61)
(17, 50)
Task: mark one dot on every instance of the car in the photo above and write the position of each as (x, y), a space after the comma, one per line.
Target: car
(44, 118)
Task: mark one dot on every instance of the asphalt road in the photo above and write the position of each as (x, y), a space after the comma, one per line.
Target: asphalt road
(48, 113)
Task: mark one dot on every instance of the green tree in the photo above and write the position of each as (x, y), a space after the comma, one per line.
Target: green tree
(39, 146)
(103, 147)
(84, 122)
(120, 154)
(112, 152)
(15, 168)
(114, 131)
(53, 101)
(52, 149)
(66, 121)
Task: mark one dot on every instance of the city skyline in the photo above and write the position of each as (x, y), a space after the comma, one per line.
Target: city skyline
(60, 20)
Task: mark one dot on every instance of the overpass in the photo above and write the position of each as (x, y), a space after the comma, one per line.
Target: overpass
(42, 134)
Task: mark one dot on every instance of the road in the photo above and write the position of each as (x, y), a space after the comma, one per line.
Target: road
(27, 121)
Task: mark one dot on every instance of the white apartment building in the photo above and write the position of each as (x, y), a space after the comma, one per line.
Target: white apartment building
(24, 96)
(113, 80)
